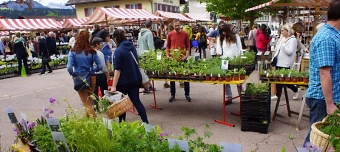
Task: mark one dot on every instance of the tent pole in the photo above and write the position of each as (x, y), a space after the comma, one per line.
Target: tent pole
(317, 12)
(107, 23)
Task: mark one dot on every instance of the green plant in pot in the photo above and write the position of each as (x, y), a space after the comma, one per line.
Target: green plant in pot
(242, 73)
(214, 74)
(208, 74)
(236, 75)
(294, 75)
(221, 75)
(305, 76)
(263, 74)
(228, 75)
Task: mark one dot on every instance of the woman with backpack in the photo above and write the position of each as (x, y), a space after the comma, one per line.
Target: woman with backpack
(252, 39)
(201, 37)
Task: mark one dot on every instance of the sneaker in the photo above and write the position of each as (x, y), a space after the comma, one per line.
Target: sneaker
(296, 95)
(166, 85)
(188, 98)
(181, 85)
(274, 97)
(50, 71)
(172, 98)
(41, 73)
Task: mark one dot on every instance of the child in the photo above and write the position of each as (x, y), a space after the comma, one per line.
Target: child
(101, 76)
(213, 47)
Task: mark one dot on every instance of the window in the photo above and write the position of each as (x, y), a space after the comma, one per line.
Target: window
(88, 11)
(134, 6)
(166, 1)
(114, 6)
(171, 1)
(155, 6)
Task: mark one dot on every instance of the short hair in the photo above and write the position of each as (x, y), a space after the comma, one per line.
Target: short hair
(96, 41)
(119, 35)
(298, 27)
(255, 26)
(148, 23)
(289, 28)
(97, 27)
(176, 20)
(50, 33)
(333, 11)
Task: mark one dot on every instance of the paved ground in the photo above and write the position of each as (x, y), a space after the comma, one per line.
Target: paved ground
(31, 94)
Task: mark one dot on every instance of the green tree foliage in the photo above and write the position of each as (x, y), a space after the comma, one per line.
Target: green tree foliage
(13, 14)
(186, 8)
(234, 9)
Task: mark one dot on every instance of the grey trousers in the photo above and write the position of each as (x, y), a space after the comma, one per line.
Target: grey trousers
(229, 93)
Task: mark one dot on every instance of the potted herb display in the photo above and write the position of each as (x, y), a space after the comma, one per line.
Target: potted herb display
(294, 75)
(300, 77)
(236, 75)
(214, 74)
(221, 75)
(305, 76)
(228, 75)
(242, 73)
(208, 75)
(263, 74)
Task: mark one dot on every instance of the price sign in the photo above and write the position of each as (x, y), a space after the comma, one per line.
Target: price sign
(11, 115)
(224, 64)
(159, 55)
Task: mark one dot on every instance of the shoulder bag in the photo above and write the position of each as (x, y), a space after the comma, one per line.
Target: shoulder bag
(82, 81)
(145, 79)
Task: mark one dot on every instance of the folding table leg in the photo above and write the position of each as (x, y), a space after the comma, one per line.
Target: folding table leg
(154, 97)
(224, 113)
(239, 90)
(303, 103)
(287, 100)
(276, 107)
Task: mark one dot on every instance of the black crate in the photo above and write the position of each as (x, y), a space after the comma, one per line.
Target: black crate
(255, 125)
(264, 97)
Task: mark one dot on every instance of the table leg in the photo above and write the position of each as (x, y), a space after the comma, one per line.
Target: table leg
(276, 107)
(239, 96)
(287, 101)
(224, 113)
(154, 97)
(303, 102)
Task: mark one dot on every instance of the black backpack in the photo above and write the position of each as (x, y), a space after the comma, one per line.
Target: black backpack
(203, 39)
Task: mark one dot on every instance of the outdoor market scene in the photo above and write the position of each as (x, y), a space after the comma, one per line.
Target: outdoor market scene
(165, 75)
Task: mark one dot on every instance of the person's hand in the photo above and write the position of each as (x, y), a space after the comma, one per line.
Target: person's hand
(219, 54)
(331, 108)
(113, 89)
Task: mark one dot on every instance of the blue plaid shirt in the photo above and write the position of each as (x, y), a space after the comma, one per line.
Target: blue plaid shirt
(324, 51)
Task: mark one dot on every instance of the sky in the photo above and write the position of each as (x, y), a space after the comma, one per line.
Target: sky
(43, 2)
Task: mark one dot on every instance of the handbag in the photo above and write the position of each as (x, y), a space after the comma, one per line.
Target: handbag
(45, 60)
(274, 60)
(145, 79)
(82, 81)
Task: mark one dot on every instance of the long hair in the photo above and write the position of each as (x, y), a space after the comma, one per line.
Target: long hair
(230, 36)
(83, 44)
(202, 30)
(119, 35)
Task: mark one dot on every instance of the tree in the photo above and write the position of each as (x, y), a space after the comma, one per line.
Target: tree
(186, 8)
(234, 9)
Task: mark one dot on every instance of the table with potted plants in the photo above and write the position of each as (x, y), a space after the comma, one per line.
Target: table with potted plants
(286, 77)
(159, 68)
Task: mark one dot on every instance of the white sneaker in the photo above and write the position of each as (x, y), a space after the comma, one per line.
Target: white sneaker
(296, 95)
(274, 97)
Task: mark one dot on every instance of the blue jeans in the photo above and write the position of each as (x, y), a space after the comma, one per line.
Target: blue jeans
(317, 113)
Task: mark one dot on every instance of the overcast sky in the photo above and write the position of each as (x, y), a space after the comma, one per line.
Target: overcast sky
(43, 2)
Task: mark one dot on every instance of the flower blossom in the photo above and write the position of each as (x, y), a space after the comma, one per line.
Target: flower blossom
(52, 100)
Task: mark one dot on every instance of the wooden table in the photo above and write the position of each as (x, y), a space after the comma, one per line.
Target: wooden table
(290, 112)
(224, 113)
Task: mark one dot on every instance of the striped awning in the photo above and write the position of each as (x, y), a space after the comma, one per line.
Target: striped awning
(75, 23)
(323, 3)
(170, 15)
(28, 24)
(197, 17)
(4, 33)
(113, 14)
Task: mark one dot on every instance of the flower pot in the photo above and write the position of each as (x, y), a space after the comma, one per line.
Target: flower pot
(288, 79)
(220, 78)
(201, 77)
(208, 78)
(236, 77)
(242, 77)
(228, 79)
(300, 79)
(294, 79)
(306, 80)
(281, 79)
(213, 78)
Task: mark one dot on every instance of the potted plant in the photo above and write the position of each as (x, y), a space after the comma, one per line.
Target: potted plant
(242, 73)
(282, 75)
(214, 74)
(221, 75)
(287, 74)
(236, 75)
(208, 75)
(228, 75)
(300, 77)
(305, 76)
(263, 74)
(294, 75)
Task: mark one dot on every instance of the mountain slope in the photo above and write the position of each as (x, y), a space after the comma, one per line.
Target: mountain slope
(21, 7)
(58, 6)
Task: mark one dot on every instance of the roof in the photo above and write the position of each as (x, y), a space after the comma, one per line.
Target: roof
(75, 23)
(197, 17)
(115, 14)
(28, 24)
(74, 2)
(170, 15)
(274, 3)
(57, 18)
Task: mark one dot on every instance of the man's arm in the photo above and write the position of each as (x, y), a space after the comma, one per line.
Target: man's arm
(150, 42)
(326, 85)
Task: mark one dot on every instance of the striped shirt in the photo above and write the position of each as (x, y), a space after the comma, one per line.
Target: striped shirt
(324, 52)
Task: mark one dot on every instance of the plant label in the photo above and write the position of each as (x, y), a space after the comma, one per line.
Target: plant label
(108, 124)
(24, 120)
(54, 124)
(60, 141)
(259, 53)
(11, 115)
(229, 147)
(148, 127)
(159, 55)
(266, 53)
(224, 64)
(184, 145)
(243, 57)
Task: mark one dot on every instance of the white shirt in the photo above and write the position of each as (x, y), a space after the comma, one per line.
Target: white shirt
(72, 42)
(102, 61)
(229, 50)
(286, 52)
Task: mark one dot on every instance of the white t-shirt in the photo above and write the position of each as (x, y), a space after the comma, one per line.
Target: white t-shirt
(72, 42)
(102, 61)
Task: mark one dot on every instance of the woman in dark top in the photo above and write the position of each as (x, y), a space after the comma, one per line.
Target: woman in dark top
(127, 77)
(20, 50)
(96, 29)
(44, 55)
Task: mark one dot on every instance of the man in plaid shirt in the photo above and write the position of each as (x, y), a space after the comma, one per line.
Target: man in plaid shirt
(324, 78)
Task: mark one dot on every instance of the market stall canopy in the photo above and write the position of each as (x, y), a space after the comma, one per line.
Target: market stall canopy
(75, 23)
(169, 15)
(197, 17)
(28, 24)
(307, 3)
(102, 15)
(4, 33)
